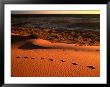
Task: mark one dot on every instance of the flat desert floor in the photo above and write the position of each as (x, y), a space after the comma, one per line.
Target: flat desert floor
(41, 58)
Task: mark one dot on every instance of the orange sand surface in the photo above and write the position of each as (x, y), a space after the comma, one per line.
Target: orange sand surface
(54, 60)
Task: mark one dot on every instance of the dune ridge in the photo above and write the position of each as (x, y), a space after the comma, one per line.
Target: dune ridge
(43, 58)
(47, 44)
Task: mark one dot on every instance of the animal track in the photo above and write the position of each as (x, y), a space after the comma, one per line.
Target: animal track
(74, 63)
(17, 57)
(97, 50)
(91, 67)
(25, 57)
(51, 59)
(62, 60)
(32, 58)
(42, 58)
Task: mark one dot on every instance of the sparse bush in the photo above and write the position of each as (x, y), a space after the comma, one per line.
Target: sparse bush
(34, 36)
(70, 37)
(50, 38)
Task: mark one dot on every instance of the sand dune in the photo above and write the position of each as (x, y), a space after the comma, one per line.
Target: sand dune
(41, 42)
(42, 58)
(27, 42)
(47, 44)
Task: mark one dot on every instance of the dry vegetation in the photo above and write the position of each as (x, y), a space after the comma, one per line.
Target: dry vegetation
(87, 38)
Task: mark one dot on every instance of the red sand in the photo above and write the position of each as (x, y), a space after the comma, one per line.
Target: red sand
(34, 66)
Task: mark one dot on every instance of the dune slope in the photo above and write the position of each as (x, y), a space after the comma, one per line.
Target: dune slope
(41, 58)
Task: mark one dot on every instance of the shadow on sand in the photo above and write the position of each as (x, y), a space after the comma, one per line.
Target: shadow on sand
(18, 38)
(31, 46)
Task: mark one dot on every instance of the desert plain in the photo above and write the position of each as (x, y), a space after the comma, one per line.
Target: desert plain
(43, 58)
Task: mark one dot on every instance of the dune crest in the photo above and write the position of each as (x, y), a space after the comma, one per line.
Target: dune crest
(41, 42)
(46, 43)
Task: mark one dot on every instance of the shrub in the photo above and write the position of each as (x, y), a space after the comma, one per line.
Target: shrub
(50, 38)
(34, 36)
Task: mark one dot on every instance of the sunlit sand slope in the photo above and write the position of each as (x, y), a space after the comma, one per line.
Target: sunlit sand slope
(41, 58)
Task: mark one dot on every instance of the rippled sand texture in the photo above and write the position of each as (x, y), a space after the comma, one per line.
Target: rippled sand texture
(79, 61)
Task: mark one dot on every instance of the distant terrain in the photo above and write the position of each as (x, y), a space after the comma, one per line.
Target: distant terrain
(77, 29)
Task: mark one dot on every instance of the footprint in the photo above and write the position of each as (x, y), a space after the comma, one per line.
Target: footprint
(62, 60)
(74, 63)
(25, 57)
(91, 67)
(32, 58)
(97, 50)
(17, 57)
(51, 59)
(42, 58)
